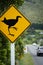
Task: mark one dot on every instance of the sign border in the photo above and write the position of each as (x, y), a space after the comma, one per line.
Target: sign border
(21, 14)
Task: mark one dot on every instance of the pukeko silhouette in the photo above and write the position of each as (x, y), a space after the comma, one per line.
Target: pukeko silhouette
(11, 22)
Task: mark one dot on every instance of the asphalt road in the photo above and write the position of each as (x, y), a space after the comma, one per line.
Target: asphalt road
(38, 60)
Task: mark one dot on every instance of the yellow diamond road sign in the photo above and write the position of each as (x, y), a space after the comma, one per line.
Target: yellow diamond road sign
(13, 23)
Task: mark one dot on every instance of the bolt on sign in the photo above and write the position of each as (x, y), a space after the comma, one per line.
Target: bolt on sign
(13, 23)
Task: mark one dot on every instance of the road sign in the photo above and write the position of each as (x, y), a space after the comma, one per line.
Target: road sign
(13, 23)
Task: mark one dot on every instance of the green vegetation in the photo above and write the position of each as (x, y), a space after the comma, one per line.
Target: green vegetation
(41, 43)
(19, 48)
(4, 51)
(26, 60)
(33, 10)
(4, 4)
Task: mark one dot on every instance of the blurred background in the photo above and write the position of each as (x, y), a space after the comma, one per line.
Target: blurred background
(33, 11)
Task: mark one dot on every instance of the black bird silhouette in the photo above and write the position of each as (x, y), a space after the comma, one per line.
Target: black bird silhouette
(11, 22)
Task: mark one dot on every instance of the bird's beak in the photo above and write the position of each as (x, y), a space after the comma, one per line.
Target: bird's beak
(19, 16)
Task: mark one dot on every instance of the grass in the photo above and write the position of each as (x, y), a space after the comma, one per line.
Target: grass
(39, 30)
(26, 60)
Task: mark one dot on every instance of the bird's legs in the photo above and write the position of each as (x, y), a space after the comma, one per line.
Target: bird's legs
(9, 31)
(15, 28)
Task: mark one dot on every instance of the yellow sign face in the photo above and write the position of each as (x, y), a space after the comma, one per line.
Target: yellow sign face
(13, 23)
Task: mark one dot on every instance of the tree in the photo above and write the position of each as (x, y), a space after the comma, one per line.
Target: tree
(5, 3)
(4, 50)
(19, 46)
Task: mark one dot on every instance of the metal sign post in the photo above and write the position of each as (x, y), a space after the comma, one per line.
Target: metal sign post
(12, 53)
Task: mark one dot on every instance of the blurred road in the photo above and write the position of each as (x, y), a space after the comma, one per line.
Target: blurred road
(38, 60)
